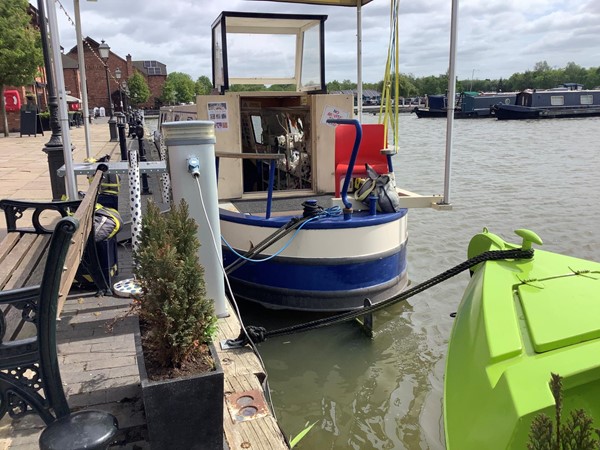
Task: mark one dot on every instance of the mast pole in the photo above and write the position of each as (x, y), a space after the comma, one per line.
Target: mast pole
(359, 87)
(83, 80)
(450, 100)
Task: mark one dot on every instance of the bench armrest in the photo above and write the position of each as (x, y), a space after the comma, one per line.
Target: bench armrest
(14, 210)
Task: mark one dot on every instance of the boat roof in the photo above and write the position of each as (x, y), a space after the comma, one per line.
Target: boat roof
(268, 23)
(326, 2)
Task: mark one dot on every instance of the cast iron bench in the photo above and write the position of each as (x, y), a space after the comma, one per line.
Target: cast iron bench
(30, 379)
(24, 249)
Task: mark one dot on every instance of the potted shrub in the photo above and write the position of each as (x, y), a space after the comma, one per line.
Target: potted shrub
(181, 377)
(45, 119)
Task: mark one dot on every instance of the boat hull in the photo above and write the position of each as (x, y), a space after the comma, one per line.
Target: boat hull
(458, 114)
(509, 336)
(517, 112)
(330, 265)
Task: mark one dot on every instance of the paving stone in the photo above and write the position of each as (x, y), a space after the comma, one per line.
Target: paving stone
(119, 361)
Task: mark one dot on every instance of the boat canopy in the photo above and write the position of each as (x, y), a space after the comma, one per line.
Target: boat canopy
(325, 2)
(297, 42)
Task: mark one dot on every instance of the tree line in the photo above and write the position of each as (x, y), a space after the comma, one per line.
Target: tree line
(181, 88)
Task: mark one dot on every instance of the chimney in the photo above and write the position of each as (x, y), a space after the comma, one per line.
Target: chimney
(129, 71)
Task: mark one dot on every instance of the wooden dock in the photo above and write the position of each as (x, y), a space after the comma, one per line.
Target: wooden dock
(247, 420)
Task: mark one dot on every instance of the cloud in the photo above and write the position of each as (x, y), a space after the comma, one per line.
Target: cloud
(495, 39)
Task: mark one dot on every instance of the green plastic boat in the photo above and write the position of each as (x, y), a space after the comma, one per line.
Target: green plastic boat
(518, 322)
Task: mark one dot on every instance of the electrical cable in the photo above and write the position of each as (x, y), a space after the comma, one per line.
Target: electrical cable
(329, 212)
(265, 382)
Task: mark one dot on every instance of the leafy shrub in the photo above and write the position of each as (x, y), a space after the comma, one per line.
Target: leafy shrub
(177, 317)
(576, 434)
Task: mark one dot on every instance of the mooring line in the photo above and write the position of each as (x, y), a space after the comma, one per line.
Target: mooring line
(260, 334)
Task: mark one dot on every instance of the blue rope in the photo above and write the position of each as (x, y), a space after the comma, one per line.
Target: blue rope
(329, 212)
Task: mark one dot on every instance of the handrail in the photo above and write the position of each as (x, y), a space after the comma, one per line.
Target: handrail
(357, 139)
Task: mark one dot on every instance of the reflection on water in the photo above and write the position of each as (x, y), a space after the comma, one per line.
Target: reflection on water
(386, 393)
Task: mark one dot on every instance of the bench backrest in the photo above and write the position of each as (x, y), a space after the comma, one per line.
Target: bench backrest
(85, 216)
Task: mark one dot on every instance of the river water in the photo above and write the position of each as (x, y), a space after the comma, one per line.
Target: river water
(386, 393)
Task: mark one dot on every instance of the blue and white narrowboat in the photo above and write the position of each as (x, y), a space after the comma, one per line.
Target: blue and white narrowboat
(293, 234)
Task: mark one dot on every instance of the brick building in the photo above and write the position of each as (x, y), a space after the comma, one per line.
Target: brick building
(154, 73)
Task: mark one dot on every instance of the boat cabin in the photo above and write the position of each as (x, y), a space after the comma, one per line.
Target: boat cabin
(564, 97)
(481, 103)
(287, 122)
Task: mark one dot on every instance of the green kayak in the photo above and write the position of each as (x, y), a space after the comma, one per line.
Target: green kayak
(518, 322)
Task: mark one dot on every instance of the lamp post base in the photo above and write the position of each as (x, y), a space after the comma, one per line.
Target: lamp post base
(56, 160)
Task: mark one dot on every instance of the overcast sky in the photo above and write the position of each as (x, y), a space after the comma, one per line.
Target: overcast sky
(495, 37)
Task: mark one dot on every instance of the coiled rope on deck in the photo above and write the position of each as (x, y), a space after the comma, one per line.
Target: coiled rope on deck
(260, 334)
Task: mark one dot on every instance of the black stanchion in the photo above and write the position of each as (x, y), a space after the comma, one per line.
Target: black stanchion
(122, 139)
(139, 132)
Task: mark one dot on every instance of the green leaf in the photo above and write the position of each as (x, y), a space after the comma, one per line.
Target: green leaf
(301, 435)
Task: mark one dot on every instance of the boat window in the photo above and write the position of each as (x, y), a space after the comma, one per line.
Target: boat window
(218, 71)
(557, 100)
(311, 60)
(247, 60)
(587, 99)
(257, 128)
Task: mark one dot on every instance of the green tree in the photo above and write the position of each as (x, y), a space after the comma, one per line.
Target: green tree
(203, 85)
(168, 95)
(20, 49)
(247, 87)
(183, 85)
(333, 86)
(139, 92)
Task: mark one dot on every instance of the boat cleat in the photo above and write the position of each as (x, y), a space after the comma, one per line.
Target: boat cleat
(529, 237)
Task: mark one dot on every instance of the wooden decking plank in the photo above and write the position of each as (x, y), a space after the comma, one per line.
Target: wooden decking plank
(242, 371)
(241, 360)
(261, 433)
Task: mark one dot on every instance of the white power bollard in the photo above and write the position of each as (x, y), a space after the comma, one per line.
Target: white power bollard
(185, 141)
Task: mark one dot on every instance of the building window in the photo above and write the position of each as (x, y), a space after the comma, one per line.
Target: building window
(557, 100)
(587, 99)
(153, 68)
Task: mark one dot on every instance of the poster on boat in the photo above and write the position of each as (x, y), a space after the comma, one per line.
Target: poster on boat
(331, 112)
(217, 112)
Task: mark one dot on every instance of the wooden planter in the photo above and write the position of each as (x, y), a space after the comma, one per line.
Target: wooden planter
(184, 413)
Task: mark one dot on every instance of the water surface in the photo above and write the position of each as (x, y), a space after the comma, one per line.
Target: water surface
(386, 393)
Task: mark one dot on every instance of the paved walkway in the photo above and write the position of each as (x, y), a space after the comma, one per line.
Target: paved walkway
(24, 166)
(97, 352)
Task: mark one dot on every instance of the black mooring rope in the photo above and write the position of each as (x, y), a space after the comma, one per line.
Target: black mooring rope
(260, 334)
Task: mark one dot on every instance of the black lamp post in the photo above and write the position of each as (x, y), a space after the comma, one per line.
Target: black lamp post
(104, 51)
(54, 147)
(118, 77)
